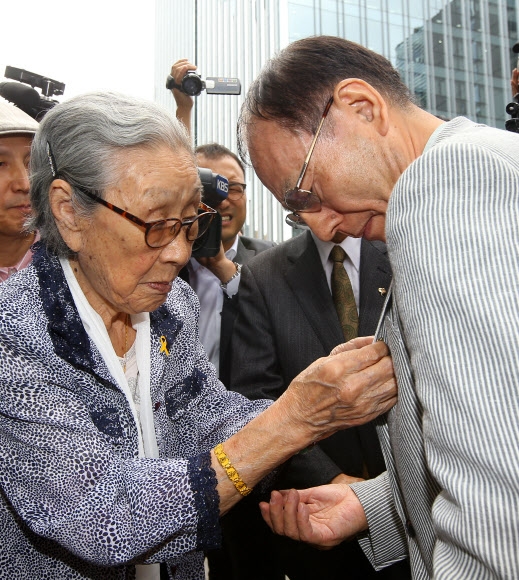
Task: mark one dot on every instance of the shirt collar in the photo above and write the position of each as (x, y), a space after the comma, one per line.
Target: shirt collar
(350, 245)
(23, 263)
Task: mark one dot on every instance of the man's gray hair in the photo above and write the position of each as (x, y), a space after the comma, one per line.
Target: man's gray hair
(83, 138)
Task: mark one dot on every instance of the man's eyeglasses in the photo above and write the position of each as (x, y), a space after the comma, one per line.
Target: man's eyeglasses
(294, 220)
(301, 200)
(160, 233)
(236, 190)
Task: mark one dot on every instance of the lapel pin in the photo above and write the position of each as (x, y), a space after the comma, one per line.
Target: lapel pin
(164, 345)
(382, 291)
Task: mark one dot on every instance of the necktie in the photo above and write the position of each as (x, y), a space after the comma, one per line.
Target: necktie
(342, 294)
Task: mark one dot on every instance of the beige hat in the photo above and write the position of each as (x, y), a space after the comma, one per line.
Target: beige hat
(13, 121)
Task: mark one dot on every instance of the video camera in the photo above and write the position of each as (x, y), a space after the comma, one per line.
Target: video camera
(215, 190)
(192, 85)
(28, 99)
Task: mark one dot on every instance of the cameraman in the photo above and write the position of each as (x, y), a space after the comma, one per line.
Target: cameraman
(216, 280)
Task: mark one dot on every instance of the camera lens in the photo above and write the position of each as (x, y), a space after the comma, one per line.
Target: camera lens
(192, 84)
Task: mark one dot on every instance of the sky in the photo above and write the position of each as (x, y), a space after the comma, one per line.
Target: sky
(86, 45)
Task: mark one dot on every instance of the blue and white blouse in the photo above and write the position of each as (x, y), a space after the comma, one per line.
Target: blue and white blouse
(76, 500)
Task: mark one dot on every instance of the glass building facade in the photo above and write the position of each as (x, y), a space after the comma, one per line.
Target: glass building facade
(455, 56)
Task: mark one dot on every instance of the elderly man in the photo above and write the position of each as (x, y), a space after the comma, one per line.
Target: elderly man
(16, 132)
(446, 197)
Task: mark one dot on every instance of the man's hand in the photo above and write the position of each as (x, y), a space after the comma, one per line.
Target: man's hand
(220, 266)
(184, 102)
(323, 516)
(342, 390)
(343, 478)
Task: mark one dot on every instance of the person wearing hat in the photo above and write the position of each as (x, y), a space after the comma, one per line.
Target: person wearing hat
(16, 132)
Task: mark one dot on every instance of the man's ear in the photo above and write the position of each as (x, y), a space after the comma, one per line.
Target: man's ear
(69, 225)
(359, 98)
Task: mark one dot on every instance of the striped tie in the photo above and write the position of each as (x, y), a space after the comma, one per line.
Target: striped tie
(342, 294)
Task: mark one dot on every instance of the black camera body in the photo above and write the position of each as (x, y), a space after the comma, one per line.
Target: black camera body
(192, 85)
(215, 190)
(27, 98)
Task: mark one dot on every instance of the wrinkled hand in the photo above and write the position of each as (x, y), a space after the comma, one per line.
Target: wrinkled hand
(514, 83)
(323, 516)
(343, 390)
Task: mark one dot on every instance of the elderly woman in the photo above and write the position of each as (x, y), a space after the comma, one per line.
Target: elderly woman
(119, 447)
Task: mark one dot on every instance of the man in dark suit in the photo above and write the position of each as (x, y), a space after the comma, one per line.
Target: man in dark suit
(216, 280)
(287, 319)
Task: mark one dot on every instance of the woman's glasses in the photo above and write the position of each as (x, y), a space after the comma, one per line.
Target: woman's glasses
(160, 233)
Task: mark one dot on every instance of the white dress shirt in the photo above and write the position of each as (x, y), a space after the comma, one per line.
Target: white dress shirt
(351, 264)
(211, 296)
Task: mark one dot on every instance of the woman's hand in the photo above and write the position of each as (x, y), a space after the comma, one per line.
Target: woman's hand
(352, 386)
(342, 390)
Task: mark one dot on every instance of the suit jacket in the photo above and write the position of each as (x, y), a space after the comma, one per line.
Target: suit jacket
(451, 442)
(246, 250)
(286, 321)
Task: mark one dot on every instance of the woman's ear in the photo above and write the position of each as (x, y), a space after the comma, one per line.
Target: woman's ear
(361, 99)
(67, 221)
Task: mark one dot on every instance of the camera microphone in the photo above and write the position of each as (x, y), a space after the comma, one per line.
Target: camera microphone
(26, 98)
(215, 187)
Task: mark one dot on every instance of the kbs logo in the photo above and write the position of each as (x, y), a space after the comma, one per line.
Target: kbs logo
(222, 185)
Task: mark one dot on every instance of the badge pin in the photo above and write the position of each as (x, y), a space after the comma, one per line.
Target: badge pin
(164, 345)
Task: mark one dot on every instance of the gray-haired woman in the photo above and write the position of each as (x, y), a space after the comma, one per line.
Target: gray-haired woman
(119, 447)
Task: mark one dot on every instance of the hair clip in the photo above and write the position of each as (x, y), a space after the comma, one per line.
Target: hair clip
(52, 162)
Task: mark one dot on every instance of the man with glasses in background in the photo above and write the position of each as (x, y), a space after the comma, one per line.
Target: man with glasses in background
(216, 280)
(449, 499)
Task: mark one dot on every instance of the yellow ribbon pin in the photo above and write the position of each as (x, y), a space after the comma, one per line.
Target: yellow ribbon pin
(164, 345)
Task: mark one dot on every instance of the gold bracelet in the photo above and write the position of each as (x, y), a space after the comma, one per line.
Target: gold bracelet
(232, 474)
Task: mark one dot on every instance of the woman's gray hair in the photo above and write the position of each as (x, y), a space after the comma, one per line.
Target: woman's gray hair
(83, 138)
